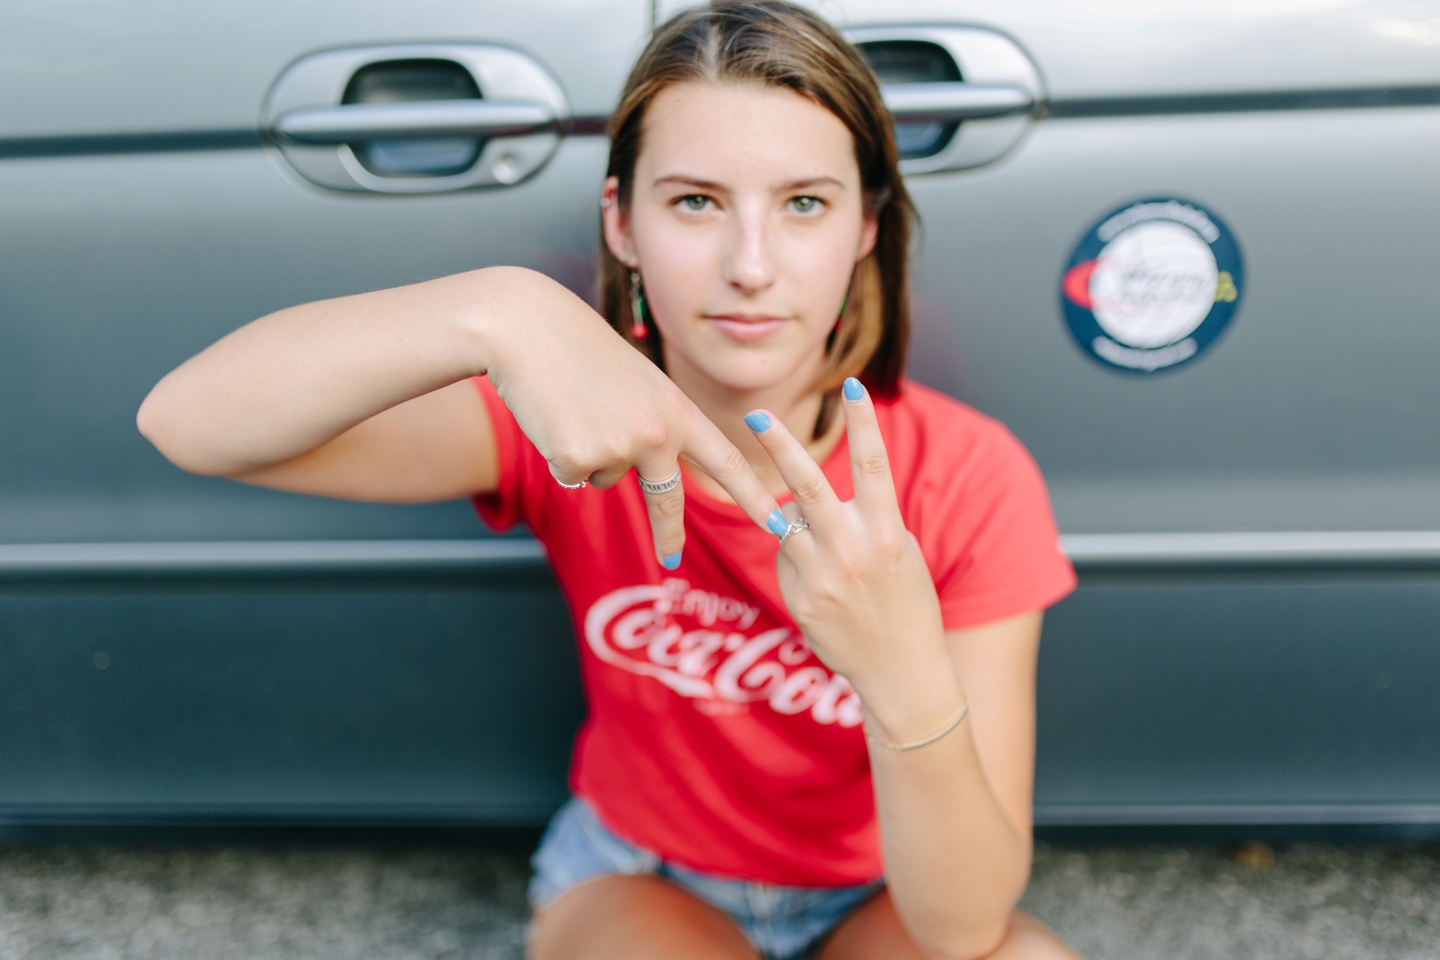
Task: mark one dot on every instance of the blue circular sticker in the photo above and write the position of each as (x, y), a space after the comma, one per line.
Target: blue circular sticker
(1152, 285)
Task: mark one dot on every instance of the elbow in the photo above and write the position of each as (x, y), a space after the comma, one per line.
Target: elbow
(956, 937)
(972, 945)
(156, 424)
(147, 420)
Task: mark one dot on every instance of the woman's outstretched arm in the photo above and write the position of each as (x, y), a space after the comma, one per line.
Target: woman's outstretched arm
(361, 397)
(345, 397)
(284, 385)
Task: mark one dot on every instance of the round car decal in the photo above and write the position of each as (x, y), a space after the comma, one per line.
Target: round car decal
(1152, 285)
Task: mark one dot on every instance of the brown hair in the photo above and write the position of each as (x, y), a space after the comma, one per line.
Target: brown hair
(779, 44)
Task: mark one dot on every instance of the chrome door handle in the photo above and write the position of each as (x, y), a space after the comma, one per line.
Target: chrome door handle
(953, 119)
(950, 101)
(414, 120)
(505, 131)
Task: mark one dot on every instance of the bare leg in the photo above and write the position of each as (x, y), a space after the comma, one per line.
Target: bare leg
(874, 932)
(635, 918)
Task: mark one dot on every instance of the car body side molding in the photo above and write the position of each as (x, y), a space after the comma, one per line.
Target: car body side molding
(200, 141)
(1352, 98)
(505, 557)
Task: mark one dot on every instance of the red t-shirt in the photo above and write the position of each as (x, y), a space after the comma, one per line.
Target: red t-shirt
(715, 737)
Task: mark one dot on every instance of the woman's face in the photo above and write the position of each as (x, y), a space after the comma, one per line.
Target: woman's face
(745, 222)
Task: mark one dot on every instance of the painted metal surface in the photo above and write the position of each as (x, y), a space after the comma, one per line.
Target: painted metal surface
(147, 66)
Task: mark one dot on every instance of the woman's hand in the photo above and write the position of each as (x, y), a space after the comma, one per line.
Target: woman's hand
(857, 584)
(954, 815)
(595, 407)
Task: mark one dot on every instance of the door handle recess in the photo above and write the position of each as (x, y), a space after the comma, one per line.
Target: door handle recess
(414, 120)
(942, 102)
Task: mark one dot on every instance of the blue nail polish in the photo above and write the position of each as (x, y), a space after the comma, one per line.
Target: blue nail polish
(853, 389)
(672, 562)
(757, 421)
(777, 522)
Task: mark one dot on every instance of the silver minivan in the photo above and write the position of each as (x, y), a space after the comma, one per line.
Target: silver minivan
(1186, 251)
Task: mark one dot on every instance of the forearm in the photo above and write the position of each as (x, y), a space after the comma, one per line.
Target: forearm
(955, 863)
(289, 382)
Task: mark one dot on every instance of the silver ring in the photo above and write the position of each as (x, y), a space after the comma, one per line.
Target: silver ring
(572, 486)
(659, 486)
(796, 525)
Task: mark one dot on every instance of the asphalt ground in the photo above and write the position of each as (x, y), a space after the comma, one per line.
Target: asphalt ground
(407, 902)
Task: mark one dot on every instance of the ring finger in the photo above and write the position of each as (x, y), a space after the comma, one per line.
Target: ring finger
(797, 531)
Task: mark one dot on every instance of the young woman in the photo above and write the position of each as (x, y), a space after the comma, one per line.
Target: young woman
(811, 726)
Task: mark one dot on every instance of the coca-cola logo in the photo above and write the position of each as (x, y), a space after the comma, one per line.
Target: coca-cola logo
(717, 663)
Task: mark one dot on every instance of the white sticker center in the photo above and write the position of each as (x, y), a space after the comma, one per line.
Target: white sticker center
(1153, 284)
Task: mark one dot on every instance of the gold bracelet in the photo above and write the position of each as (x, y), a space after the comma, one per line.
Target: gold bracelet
(914, 744)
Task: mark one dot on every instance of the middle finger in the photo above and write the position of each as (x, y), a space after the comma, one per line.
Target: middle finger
(665, 501)
(797, 468)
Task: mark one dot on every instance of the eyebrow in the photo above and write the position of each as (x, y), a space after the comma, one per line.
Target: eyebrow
(720, 188)
(689, 182)
(812, 182)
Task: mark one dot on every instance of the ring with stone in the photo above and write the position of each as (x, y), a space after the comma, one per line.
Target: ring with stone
(572, 486)
(796, 525)
(656, 487)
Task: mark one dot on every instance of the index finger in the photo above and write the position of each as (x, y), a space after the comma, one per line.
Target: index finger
(869, 461)
(706, 447)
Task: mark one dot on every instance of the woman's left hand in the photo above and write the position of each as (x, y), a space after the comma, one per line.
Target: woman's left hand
(856, 582)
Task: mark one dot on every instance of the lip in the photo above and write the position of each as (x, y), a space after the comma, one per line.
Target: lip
(746, 328)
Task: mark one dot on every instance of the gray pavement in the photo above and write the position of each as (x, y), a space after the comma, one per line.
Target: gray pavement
(1304, 901)
(1175, 903)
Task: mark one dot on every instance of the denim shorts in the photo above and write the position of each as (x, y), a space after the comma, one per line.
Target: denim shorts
(782, 923)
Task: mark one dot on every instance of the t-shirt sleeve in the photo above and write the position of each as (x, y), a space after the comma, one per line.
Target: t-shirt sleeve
(1005, 558)
(515, 499)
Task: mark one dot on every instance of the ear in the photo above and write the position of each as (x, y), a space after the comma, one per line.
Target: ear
(617, 226)
(869, 232)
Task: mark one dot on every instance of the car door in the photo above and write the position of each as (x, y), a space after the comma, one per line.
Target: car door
(1192, 273)
(173, 646)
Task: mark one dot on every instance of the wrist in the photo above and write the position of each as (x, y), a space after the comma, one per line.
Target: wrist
(493, 301)
(510, 313)
(914, 703)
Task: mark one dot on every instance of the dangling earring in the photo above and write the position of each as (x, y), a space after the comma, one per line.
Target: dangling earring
(637, 307)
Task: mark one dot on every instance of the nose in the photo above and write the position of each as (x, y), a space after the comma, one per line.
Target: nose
(748, 266)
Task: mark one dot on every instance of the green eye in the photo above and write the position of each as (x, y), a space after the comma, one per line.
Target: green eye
(805, 204)
(695, 202)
